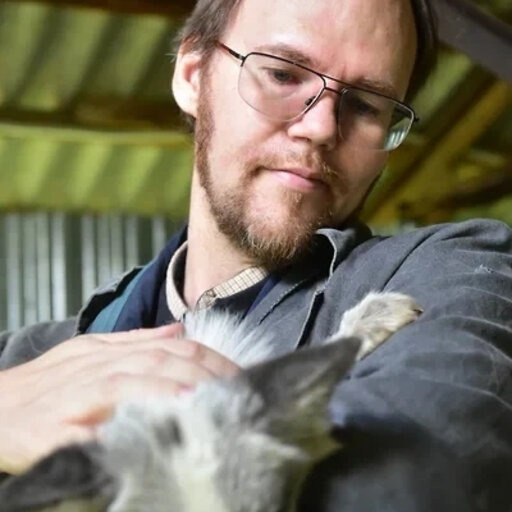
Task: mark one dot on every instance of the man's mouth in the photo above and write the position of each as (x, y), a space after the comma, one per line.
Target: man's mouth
(301, 179)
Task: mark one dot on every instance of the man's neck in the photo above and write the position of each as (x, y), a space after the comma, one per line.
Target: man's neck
(211, 258)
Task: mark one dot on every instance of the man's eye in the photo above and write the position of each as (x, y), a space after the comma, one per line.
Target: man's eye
(363, 108)
(282, 76)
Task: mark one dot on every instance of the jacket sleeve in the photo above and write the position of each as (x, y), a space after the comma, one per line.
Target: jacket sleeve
(427, 417)
(29, 342)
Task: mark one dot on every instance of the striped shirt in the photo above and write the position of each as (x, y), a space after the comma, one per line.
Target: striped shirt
(175, 271)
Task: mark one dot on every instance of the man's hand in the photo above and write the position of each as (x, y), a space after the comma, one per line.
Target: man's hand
(64, 394)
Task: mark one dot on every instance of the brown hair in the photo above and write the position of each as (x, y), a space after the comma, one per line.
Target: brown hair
(209, 20)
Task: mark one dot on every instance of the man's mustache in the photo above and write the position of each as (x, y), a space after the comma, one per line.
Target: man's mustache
(312, 162)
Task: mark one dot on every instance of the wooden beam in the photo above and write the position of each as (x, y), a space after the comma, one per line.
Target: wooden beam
(162, 138)
(492, 190)
(407, 159)
(169, 9)
(480, 196)
(483, 37)
(433, 178)
(100, 114)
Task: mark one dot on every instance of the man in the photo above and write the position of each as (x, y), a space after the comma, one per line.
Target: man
(296, 105)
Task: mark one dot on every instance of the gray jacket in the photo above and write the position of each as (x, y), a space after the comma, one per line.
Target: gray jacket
(427, 418)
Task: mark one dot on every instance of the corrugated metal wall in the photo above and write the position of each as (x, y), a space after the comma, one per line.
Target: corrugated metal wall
(50, 262)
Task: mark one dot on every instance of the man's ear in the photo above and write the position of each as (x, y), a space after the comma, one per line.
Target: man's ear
(73, 476)
(296, 389)
(186, 81)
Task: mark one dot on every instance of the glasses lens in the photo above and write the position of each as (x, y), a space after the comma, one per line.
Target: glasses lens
(371, 121)
(276, 88)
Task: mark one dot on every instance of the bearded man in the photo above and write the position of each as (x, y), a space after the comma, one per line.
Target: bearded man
(295, 106)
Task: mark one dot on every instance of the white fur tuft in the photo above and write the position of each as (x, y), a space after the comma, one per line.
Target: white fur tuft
(225, 333)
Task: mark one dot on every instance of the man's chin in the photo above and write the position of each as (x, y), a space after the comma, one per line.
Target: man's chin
(276, 245)
(272, 230)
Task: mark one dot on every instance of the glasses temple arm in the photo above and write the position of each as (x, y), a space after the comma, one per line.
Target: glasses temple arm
(231, 52)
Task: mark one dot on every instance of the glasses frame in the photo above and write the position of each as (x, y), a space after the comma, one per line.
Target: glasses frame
(324, 78)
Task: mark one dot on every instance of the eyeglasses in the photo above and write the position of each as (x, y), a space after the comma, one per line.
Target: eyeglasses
(283, 90)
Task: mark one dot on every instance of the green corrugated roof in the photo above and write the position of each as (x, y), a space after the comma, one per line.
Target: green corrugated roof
(87, 121)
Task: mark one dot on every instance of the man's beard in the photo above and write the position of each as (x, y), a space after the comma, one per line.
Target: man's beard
(270, 248)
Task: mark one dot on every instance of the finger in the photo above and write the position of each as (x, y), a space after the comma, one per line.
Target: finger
(161, 363)
(144, 356)
(210, 359)
(140, 387)
(121, 387)
(177, 346)
(88, 363)
(97, 383)
(88, 343)
(164, 331)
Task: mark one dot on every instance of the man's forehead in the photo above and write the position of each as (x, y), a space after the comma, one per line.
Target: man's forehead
(340, 11)
(371, 38)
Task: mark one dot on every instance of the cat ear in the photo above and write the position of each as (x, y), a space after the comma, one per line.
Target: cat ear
(74, 475)
(296, 389)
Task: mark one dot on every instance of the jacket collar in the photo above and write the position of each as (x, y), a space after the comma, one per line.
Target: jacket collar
(331, 246)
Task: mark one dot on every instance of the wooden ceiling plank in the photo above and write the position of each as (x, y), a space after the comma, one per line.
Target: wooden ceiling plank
(169, 187)
(484, 38)
(100, 113)
(90, 161)
(162, 138)
(35, 164)
(136, 174)
(173, 9)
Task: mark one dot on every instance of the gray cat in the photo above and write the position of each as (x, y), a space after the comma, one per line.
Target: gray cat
(232, 445)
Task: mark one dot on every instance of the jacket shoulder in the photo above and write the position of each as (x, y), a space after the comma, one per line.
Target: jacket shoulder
(29, 342)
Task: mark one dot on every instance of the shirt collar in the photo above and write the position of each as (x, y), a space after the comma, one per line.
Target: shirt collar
(175, 278)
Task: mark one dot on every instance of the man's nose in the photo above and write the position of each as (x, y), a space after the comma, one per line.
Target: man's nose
(319, 125)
